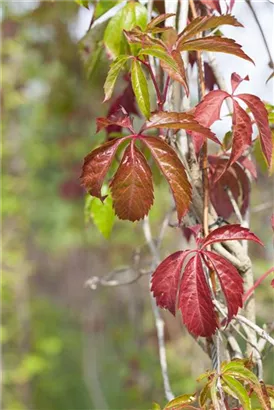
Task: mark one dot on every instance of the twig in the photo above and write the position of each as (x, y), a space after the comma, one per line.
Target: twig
(94, 281)
(158, 320)
(261, 332)
(256, 284)
(234, 205)
(271, 63)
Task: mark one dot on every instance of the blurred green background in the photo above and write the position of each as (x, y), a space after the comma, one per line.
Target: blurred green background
(66, 346)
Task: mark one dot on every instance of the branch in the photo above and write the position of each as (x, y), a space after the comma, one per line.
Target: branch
(158, 320)
(261, 332)
(94, 281)
(234, 205)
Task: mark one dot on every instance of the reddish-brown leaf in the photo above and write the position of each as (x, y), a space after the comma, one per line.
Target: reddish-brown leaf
(179, 74)
(206, 23)
(159, 19)
(208, 110)
(120, 118)
(230, 280)
(178, 120)
(235, 179)
(96, 166)
(173, 170)
(242, 132)
(259, 112)
(131, 186)
(217, 44)
(195, 300)
(230, 233)
(236, 81)
(165, 280)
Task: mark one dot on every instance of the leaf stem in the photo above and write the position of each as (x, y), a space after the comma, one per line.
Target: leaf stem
(256, 284)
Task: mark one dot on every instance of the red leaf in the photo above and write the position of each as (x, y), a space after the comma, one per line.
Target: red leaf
(218, 193)
(120, 118)
(174, 172)
(208, 110)
(159, 19)
(178, 120)
(206, 113)
(272, 221)
(195, 300)
(272, 283)
(230, 280)
(165, 280)
(217, 44)
(259, 112)
(236, 81)
(230, 233)
(96, 166)
(242, 132)
(131, 186)
(212, 4)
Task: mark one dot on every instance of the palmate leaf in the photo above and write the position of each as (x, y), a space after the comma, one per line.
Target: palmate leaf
(131, 187)
(194, 299)
(140, 88)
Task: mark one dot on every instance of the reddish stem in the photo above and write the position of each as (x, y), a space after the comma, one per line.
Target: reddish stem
(256, 284)
(166, 90)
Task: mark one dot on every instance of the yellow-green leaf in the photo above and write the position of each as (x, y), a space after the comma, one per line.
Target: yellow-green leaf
(112, 76)
(237, 389)
(140, 88)
(133, 14)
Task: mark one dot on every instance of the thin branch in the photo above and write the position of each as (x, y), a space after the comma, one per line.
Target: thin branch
(158, 320)
(256, 284)
(261, 332)
(94, 281)
(234, 205)
(271, 63)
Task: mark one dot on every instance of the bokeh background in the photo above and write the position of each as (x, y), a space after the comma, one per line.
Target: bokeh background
(65, 346)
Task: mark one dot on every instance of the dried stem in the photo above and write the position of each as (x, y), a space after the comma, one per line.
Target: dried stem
(158, 320)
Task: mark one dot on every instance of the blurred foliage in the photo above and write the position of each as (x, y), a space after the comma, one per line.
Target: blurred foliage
(63, 346)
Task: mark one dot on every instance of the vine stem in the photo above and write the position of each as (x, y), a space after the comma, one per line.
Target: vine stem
(204, 149)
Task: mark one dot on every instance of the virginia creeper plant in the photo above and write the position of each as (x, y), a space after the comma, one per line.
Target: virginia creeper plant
(212, 284)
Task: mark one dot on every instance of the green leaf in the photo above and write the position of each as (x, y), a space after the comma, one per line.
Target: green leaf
(102, 6)
(101, 213)
(239, 391)
(180, 400)
(140, 88)
(83, 3)
(112, 76)
(133, 14)
(204, 394)
(156, 406)
(237, 369)
(159, 53)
